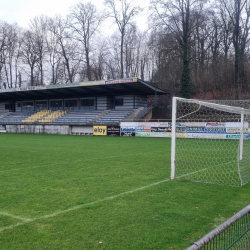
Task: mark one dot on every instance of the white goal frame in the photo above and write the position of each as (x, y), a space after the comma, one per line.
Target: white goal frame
(236, 110)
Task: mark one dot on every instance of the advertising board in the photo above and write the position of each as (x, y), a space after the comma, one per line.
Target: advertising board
(148, 124)
(220, 130)
(205, 136)
(164, 124)
(215, 124)
(113, 130)
(128, 133)
(129, 124)
(180, 135)
(127, 129)
(236, 130)
(99, 130)
(153, 134)
(134, 79)
(159, 129)
(180, 129)
(195, 124)
(236, 136)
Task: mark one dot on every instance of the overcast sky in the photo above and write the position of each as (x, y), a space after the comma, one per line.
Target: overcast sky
(21, 11)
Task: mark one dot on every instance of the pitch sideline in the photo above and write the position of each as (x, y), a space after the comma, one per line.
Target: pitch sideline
(27, 220)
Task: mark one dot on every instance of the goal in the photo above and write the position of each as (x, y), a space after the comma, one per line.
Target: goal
(211, 141)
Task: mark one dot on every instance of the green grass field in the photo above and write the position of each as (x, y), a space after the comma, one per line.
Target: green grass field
(80, 192)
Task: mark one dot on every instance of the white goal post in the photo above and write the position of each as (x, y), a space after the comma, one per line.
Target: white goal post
(211, 141)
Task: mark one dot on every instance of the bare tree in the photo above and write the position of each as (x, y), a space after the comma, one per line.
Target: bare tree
(59, 27)
(239, 13)
(123, 12)
(30, 55)
(175, 17)
(85, 22)
(39, 27)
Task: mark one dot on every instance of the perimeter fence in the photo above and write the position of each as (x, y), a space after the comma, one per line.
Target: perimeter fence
(232, 234)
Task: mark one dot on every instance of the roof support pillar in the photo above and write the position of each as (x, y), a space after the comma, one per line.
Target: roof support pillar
(155, 98)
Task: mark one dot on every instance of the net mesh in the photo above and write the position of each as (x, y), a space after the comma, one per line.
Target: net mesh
(208, 142)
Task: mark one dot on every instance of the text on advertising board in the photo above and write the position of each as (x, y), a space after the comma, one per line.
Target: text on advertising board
(134, 79)
(100, 130)
(205, 130)
(113, 130)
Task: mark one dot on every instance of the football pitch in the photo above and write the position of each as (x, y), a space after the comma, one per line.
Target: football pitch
(89, 192)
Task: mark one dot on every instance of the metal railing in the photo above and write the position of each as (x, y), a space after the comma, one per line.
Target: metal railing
(232, 234)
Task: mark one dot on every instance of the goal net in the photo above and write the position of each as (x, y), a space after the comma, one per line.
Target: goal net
(211, 141)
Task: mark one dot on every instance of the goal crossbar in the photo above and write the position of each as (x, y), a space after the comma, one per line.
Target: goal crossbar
(221, 107)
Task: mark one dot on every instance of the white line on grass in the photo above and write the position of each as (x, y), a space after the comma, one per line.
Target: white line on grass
(14, 216)
(25, 220)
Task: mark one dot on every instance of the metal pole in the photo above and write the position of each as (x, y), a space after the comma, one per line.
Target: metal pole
(241, 135)
(173, 139)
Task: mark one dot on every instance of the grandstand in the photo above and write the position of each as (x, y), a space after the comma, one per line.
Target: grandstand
(79, 105)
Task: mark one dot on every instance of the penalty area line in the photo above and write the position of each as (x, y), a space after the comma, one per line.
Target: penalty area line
(25, 220)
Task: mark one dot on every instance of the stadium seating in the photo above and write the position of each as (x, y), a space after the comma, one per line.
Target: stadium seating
(52, 116)
(15, 117)
(114, 116)
(37, 116)
(80, 117)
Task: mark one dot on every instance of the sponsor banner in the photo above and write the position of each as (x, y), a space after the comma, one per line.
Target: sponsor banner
(236, 124)
(146, 129)
(83, 84)
(205, 136)
(164, 124)
(153, 134)
(65, 85)
(129, 124)
(74, 84)
(215, 124)
(180, 124)
(127, 133)
(134, 79)
(180, 135)
(128, 129)
(236, 130)
(148, 124)
(249, 125)
(99, 130)
(159, 134)
(180, 129)
(159, 129)
(113, 130)
(23, 89)
(139, 129)
(143, 134)
(169, 129)
(205, 130)
(195, 124)
(236, 136)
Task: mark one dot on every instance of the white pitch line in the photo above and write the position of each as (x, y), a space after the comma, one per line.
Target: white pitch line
(25, 220)
(14, 216)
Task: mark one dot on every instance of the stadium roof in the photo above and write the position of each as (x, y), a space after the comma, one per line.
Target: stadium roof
(128, 86)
